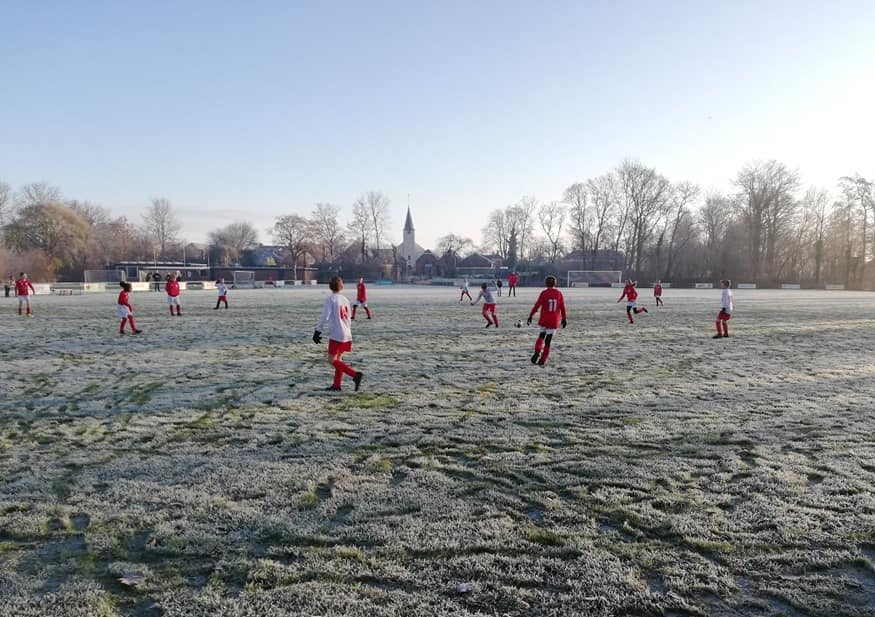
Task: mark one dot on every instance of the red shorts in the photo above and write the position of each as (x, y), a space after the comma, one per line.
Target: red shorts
(488, 308)
(721, 316)
(336, 347)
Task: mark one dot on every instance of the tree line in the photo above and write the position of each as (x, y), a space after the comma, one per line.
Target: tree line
(766, 229)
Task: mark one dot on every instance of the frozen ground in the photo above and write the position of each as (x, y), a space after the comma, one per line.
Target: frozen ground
(201, 470)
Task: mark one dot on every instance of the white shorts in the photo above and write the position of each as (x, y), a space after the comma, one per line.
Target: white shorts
(171, 300)
(23, 300)
(632, 304)
(122, 311)
(548, 330)
(360, 303)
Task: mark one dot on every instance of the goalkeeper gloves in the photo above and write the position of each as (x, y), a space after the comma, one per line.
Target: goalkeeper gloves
(529, 321)
(317, 337)
(564, 323)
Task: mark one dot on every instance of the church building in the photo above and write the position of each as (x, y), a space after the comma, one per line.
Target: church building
(409, 251)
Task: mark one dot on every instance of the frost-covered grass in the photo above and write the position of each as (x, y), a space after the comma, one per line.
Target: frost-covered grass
(201, 469)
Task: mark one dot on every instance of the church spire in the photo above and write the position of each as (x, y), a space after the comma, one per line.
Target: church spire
(408, 224)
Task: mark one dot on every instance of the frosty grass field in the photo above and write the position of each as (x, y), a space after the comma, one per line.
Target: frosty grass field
(200, 469)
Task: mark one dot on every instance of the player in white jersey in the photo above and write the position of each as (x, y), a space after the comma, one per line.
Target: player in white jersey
(725, 309)
(488, 298)
(335, 315)
(223, 293)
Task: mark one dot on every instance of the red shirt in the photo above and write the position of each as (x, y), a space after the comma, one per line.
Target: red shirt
(21, 286)
(630, 293)
(657, 290)
(123, 300)
(172, 288)
(552, 305)
(513, 279)
(361, 293)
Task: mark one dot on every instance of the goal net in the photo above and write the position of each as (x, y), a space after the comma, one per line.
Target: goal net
(244, 278)
(594, 278)
(99, 280)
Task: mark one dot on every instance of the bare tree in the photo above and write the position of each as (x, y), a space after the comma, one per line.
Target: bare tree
(230, 241)
(360, 226)
(456, 245)
(37, 193)
(159, 222)
(714, 219)
(815, 205)
(579, 214)
(5, 201)
(858, 190)
(766, 205)
(496, 236)
(606, 212)
(552, 218)
(377, 206)
(677, 230)
(292, 232)
(645, 194)
(327, 233)
(521, 227)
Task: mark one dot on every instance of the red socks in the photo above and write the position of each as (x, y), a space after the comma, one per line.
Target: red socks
(341, 367)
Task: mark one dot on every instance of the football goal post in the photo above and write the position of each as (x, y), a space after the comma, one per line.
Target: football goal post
(244, 278)
(100, 280)
(594, 278)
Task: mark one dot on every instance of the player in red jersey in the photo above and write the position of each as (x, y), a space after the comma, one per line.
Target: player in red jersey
(512, 280)
(361, 298)
(551, 302)
(23, 289)
(657, 292)
(631, 295)
(124, 309)
(172, 289)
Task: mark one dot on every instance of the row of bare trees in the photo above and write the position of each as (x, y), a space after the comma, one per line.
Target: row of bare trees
(53, 237)
(766, 229)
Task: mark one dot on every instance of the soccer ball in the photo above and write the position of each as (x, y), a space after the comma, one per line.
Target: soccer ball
(519, 323)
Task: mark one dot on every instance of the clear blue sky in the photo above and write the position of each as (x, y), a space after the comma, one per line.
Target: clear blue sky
(252, 110)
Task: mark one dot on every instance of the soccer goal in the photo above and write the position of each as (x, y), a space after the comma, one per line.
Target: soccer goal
(100, 280)
(244, 278)
(594, 278)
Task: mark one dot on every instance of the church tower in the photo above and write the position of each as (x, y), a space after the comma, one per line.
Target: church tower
(409, 252)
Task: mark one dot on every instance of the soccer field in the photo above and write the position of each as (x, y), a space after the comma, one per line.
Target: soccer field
(200, 469)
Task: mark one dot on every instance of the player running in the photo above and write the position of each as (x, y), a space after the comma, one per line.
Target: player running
(465, 291)
(631, 295)
(335, 315)
(488, 297)
(551, 303)
(361, 298)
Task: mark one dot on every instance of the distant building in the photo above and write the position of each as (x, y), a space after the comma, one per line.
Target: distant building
(409, 251)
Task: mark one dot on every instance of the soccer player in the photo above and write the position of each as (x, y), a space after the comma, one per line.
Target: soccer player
(172, 289)
(512, 279)
(488, 298)
(657, 292)
(361, 298)
(125, 310)
(725, 309)
(23, 289)
(465, 291)
(631, 295)
(223, 293)
(335, 315)
(551, 302)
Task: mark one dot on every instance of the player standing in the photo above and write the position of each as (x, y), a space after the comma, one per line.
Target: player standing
(488, 312)
(23, 289)
(725, 309)
(512, 279)
(335, 315)
(631, 295)
(361, 298)
(223, 293)
(125, 310)
(657, 292)
(551, 302)
(172, 289)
